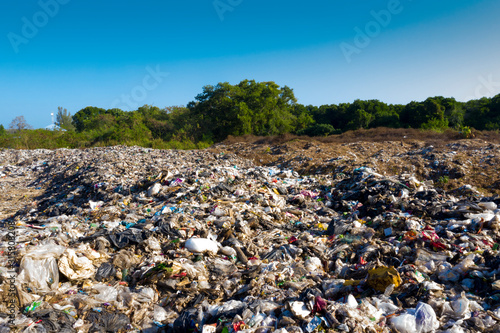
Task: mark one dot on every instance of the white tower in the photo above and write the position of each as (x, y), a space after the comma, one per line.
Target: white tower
(52, 115)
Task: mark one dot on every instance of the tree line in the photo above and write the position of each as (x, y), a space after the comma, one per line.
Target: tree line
(265, 108)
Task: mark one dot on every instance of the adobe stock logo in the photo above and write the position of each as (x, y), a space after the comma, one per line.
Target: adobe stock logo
(139, 93)
(372, 29)
(30, 28)
(222, 6)
(486, 87)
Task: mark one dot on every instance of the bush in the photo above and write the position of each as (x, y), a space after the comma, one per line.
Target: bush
(319, 130)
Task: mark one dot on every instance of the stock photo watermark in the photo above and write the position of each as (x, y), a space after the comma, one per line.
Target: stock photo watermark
(30, 27)
(371, 30)
(11, 298)
(139, 93)
(486, 87)
(223, 6)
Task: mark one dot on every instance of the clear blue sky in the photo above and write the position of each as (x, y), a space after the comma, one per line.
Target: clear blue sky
(80, 53)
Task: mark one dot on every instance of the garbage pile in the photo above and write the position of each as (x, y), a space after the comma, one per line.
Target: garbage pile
(129, 239)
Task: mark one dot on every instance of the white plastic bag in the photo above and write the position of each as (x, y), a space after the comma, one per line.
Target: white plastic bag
(425, 318)
(201, 245)
(159, 314)
(39, 268)
(460, 306)
(404, 323)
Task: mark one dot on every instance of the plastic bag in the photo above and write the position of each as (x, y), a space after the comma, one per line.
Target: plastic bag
(201, 245)
(146, 295)
(425, 318)
(191, 270)
(75, 268)
(352, 302)
(460, 306)
(187, 321)
(36, 328)
(105, 271)
(106, 294)
(488, 205)
(455, 329)
(382, 277)
(107, 321)
(159, 314)
(464, 265)
(300, 310)
(39, 268)
(313, 264)
(128, 237)
(404, 323)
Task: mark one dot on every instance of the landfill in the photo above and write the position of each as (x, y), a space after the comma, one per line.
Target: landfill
(132, 239)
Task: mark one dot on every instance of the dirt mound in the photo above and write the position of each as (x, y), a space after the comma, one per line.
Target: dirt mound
(448, 161)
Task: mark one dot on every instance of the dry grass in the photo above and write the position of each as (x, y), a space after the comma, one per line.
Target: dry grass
(389, 151)
(379, 134)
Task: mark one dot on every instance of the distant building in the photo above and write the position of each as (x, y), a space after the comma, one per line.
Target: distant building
(54, 127)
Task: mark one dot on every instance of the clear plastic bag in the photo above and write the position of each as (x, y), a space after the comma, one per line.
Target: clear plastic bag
(159, 314)
(146, 295)
(39, 268)
(107, 294)
(405, 323)
(460, 306)
(425, 318)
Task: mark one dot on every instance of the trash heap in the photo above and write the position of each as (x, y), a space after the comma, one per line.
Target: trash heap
(128, 239)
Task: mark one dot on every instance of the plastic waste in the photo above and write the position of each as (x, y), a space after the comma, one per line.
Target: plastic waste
(299, 309)
(75, 268)
(404, 323)
(106, 294)
(204, 241)
(105, 271)
(38, 267)
(460, 306)
(201, 245)
(351, 302)
(108, 321)
(425, 318)
(382, 277)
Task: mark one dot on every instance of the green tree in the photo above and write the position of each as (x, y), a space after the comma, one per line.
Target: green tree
(260, 108)
(89, 118)
(319, 130)
(494, 114)
(302, 116)
(64, 119)
(362, 119)
(430, 112)
(477, 113)
(2, 130)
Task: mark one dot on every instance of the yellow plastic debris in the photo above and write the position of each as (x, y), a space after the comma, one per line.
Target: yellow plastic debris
(382, 277)
(352, 282)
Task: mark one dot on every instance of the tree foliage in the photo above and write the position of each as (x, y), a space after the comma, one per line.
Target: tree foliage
(64, 119)
(257, 108)
(19, 124)
(260, 108)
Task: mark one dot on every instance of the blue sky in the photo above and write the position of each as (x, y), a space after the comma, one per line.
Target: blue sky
(74, 53)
